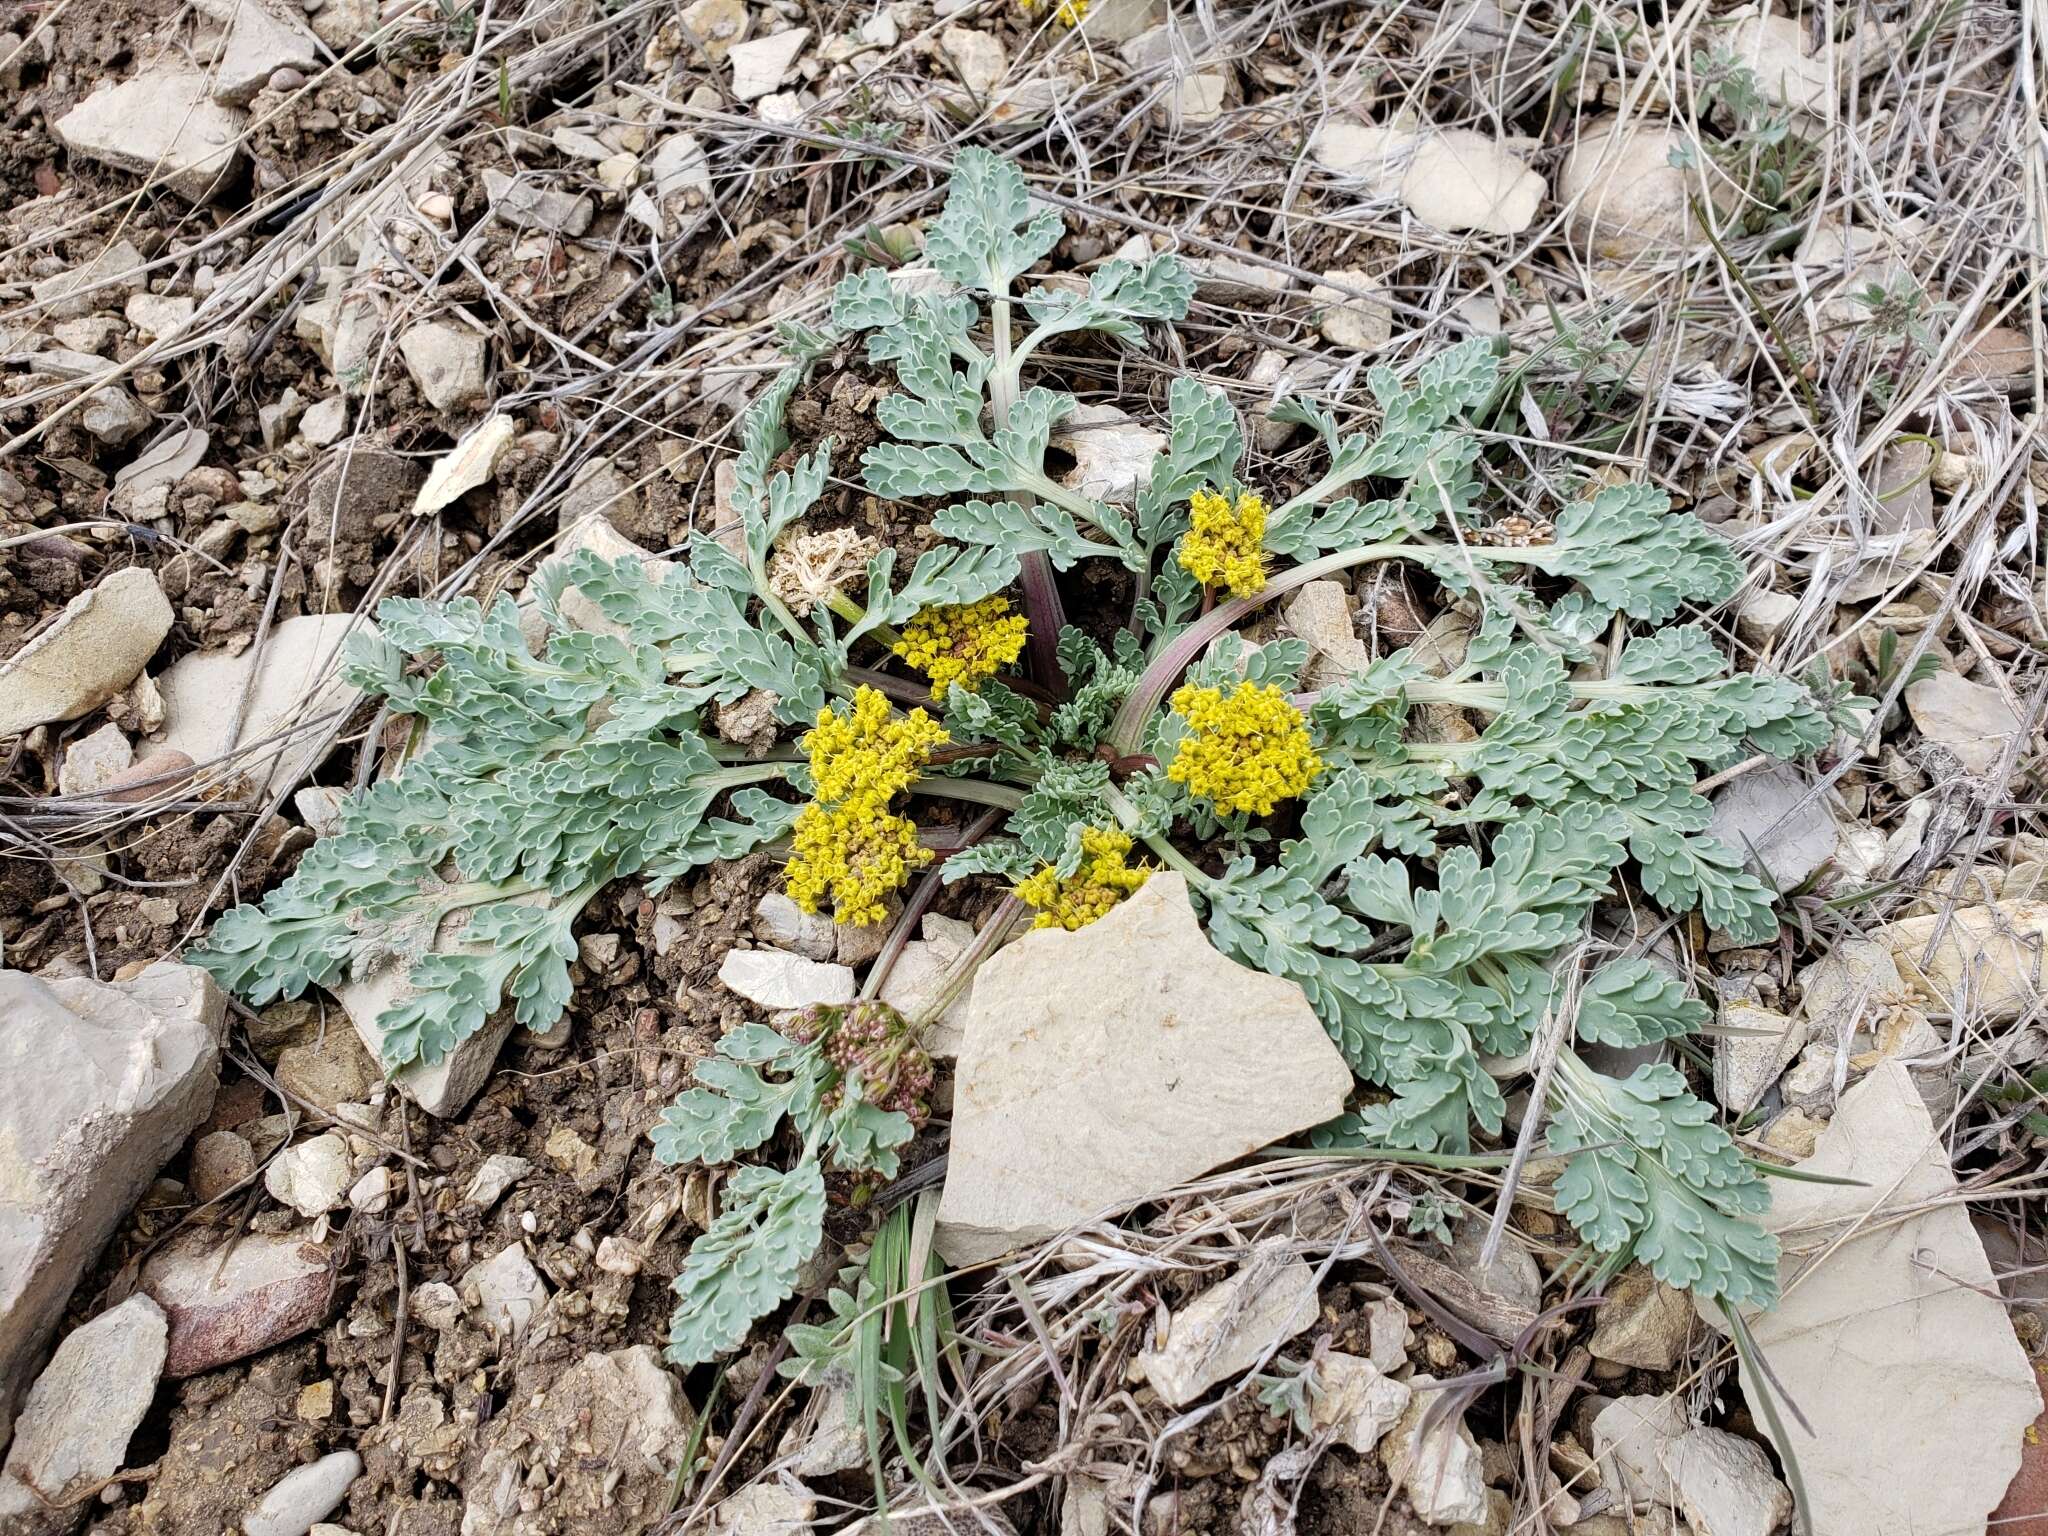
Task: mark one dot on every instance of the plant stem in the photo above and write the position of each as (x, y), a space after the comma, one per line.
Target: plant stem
(964, 965)
(973, 791)
(1127, 731)
(1133, 823)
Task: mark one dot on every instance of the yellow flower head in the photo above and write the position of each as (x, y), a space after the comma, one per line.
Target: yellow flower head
(856, 856)
(1103, 880)
(1067, 12)
(956, 645)
(866, 754)
(1244, 752)
(847, 845)
(1224, 544)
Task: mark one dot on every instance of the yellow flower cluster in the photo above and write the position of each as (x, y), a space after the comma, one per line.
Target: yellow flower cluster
(1224, 544)
(957, 645)
(1103, 880)
(1067, 12)
(848, 846)
(1245, 752)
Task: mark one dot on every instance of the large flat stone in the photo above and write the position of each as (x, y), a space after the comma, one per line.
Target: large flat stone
(99, 1085)
(92, 650)
(74, 1426)
(1890, 1335)
(161, 123)
(1109, 1064)
(295, 681)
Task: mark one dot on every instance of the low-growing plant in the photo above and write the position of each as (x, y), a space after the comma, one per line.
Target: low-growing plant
(1431, 897)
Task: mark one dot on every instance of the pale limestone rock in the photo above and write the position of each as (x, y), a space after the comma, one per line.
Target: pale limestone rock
(1359, 1400)
(1233, 1325)
(92, 762)
(1772, 816)
(260, 41)
(1774, 47)
(1320, 613)
(1360, 325)
(494, 1175)
(766, 1509)
(446, 360)
(1108, 1064)
(1899, 1313)
(528, 204)
(113, 416)
(1724, 1485)
(1376, 154)
(1388, 1332)
(94, 284)
(509, 1290)
(312, 1177)
(444, 1087)
(1109, 23)
(264, 1290)
(718, 24)
(679, 168)
(1628, 1438)
(437, 1305)
(1625, 195)
(783, 923)
(325, 421)
(88, 654)
(1747, 1065)
(978, 58)
(373, 1192)
(1855, 985)
(99, 1084)
(1461, 180)
(776, 979)
(830, 1437)
(1643, 1322)
(1763, 616)
(296, 678)
(1987, 961)
(1113, 455)
(1441, 1473)
(73, 1431)
(1972, 720)
(918, 974)
(160, 123)
(304, 1496)
(762, 65)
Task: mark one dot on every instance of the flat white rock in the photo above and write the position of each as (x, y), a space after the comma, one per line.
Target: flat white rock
(260, 41)
(1113, 455)
(1356, 324)
(1459, 180)
(1376, 154)
(312, 1177)
(99, 1084)
(775, 978)
(761, 65)
(74, 1426)
(1987, 961)
(1972, 720)
(89, 653)
(1889, 1334)
(1109, 1064)
(1724, 1485)
(1233, 1325)
(303, 1496)
(1441, 1472)
(1772, 816)
(1358, 1400)
(1625, 195)
(1746, 1065)
(446, 360)
(471, 462)
(509, 1290)
(290, 683)
(161, 123)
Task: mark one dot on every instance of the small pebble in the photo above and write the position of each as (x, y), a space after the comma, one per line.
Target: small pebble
(438, 206)
(286, 79)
